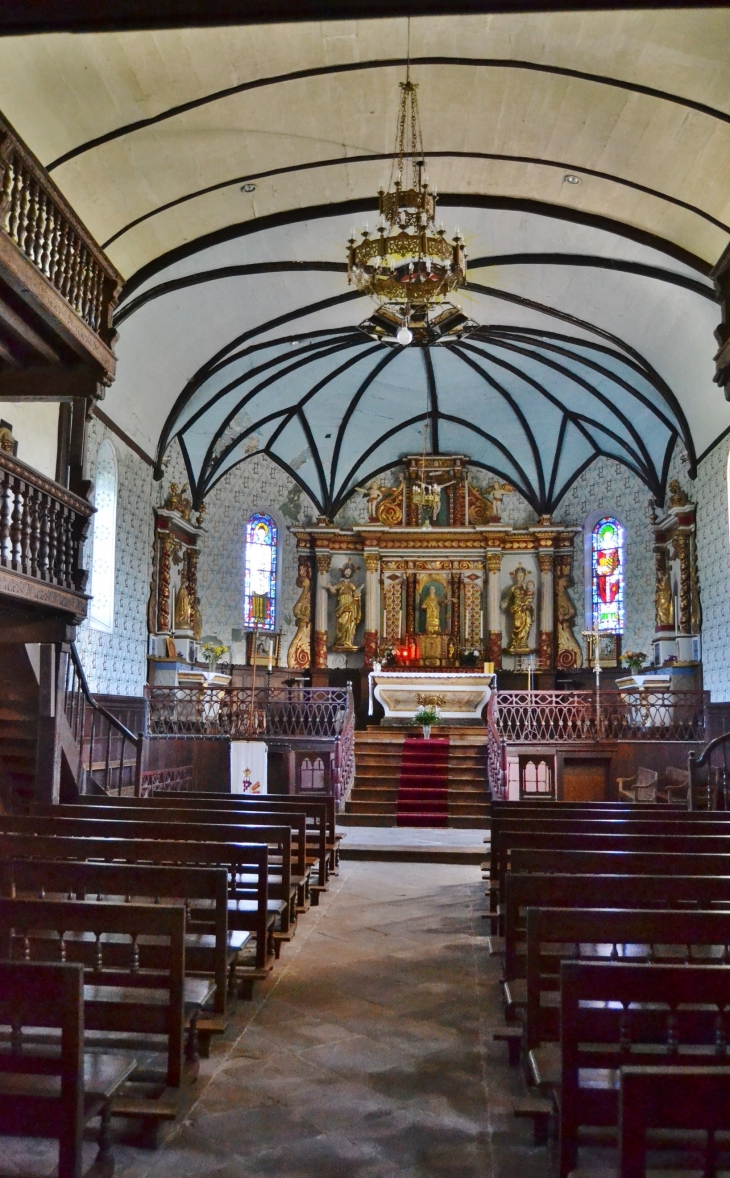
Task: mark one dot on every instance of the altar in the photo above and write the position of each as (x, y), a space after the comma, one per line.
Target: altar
(459, 696)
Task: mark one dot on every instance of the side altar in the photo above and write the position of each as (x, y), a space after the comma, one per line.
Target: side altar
(435, 579)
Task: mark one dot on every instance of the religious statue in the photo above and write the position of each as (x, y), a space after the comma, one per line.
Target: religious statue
(663, 597)
(178, 501)
(385, 504)
(677, 497)
(431, 606)
(521, 605)
(7, 441)
(298, 654)
(569, 655)
(183, 618)
(349, 608)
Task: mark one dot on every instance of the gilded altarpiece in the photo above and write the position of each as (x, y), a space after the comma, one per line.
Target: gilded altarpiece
(173, 608)
(438, 580)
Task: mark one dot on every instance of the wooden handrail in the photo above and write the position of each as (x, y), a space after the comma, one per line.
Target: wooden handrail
(39, 220)
(124, 731)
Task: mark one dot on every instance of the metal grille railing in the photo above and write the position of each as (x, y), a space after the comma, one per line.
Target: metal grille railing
(548, 717)
(243, 713)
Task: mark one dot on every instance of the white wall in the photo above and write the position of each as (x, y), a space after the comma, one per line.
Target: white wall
(713, 560)
(35, 425)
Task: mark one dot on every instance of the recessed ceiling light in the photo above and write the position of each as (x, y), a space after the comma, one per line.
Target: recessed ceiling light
(571, 179)
(248, 188)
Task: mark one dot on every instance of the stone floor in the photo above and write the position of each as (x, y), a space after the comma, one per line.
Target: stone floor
(368, 1055)
(412, 836)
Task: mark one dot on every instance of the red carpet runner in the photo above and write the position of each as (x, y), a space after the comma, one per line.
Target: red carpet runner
(423, 792)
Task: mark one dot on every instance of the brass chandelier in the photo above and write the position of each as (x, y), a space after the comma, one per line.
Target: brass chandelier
(408, 267)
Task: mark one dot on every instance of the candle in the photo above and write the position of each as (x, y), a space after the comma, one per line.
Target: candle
(400, 620)
(467, 627)
(481, 625)
(271, 653)
(385, 623)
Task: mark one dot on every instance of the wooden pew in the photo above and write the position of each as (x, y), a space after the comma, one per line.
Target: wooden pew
(617, 839)
(218, 808)
(209, 947)
(54, 1094)
(598, 1035)
(560, 934)
(287, 834)
(688, 891)
(246, 912)
(120, 998)
(671, 1098)
(321, 815)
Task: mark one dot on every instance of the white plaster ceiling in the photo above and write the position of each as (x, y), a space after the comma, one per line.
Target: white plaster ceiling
(151, 135)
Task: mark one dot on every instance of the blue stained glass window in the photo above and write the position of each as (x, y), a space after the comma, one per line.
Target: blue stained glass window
(259, 595)
(608, 576)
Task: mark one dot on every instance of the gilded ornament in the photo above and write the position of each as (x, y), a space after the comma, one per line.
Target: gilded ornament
(298, 654)
(663, 594)
(569, 653)
(520, 601)
(349, 609)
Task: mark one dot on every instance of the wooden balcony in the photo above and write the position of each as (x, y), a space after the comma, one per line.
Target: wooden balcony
(42, 527)
(57, 288)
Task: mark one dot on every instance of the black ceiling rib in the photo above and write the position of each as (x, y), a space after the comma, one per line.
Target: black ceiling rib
(224, 357)
(433, 398)
(221, 273)
(553, 313)
(384, 63)
(311, 358)
(596, 261)
(303, 356)
(289, 470)
(446, 199)
(557, 457)
(462, 352)
(205, 470)
(589, 388)
(474, 428)
(315, 458)
(593, 364)
(347, 415)
(631, 358)
(374, 157)
(192, 387)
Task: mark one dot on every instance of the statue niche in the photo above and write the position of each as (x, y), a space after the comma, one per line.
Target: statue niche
(349, 609)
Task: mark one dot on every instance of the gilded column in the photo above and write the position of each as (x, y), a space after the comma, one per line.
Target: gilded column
(299, 652)
(545, 639)
(163, 586)
(411, 604)
(324, 560)
(494, 619)
(192, 555)
(372, 607)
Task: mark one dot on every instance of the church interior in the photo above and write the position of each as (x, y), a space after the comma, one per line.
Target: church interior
(364, 589)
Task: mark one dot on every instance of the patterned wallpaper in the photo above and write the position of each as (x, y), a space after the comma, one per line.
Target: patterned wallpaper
(115, 663)
(713, 560)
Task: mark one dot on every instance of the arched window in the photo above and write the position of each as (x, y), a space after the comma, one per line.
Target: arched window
(607, 575)
(259, 593)
(103, 554)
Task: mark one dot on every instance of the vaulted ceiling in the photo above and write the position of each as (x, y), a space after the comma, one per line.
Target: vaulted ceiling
(223, 169)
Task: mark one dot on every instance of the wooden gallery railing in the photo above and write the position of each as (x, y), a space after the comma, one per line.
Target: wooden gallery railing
(321, 717)
(709, 776)
(553, 717)
(42, 527)
(109, 755)
(44, 227)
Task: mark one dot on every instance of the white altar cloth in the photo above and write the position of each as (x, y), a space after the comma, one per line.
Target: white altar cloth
(459, 695)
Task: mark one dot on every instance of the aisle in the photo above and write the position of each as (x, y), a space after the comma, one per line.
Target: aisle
(368, 1056)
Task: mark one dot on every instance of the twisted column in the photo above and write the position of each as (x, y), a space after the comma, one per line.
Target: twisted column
(494, 620)
(545, 637)
(372, 606)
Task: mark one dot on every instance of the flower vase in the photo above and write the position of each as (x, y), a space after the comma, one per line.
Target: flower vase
(426, 731)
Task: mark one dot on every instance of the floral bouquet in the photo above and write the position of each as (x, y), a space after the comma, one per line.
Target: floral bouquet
(634, 660)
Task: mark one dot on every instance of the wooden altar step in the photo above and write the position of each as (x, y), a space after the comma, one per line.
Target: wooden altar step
(378, 753)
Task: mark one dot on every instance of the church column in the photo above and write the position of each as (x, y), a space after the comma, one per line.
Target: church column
(494, 620)
(545, 639)
(324, 560)
(372, 606)
(410, 604)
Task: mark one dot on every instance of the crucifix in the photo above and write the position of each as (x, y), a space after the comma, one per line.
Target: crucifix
(592, 638)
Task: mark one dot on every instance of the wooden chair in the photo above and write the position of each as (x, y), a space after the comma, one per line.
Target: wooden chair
(671, 1098)
(54, 1093)
(640, 788)
(676, 786)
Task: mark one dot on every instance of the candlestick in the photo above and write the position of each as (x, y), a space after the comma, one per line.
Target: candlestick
(271, 653)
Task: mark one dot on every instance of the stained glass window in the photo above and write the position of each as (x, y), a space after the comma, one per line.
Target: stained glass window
(608, 576)
(259, 600)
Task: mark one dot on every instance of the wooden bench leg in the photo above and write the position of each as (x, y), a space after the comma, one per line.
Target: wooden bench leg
(512, 1036)
(540, 1111)
(104, 1161)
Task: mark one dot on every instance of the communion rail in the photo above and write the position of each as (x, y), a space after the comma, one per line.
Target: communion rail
(548, 717)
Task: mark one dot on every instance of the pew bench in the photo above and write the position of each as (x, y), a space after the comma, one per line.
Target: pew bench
(124, 1004)
(617, 1014)
(661, 1098)
(54, 1093)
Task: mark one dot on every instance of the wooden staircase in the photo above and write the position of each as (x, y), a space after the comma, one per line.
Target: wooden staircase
(18, 725)
(373, 800)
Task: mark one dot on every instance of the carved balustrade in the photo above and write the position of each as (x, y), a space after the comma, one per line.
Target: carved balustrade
(44, 227)
(42, 527)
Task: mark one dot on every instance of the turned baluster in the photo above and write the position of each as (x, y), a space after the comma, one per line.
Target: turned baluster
(85, 286)
(69, 252)
(61, 544)
(95, 314)
(37, 223)
(71, 550)
(16, 523)
(6, 200)
(25, 524)
(54, 236)
(6, 512)
(45, 524)
(52, 538)
(25, 198)
(35, 533)
(59, 277)
(73, 284)
(44, 255)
